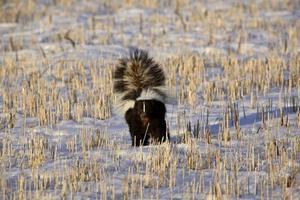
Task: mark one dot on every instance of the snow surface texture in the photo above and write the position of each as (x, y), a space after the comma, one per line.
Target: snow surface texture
(233, 66)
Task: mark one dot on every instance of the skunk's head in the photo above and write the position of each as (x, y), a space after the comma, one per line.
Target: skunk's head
(149, 109)
(157, 94)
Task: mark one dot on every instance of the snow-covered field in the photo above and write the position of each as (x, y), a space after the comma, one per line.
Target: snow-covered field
(233, 66)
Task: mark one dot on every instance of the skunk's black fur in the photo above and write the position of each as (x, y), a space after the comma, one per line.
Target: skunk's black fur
(138, 120)
(138, 82)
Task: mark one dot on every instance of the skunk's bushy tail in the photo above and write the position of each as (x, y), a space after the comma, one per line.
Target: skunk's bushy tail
(138, 77)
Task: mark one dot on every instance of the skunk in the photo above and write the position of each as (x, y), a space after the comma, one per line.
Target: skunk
(139, 85)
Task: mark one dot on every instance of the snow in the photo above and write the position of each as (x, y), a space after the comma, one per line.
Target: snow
(92, 157)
